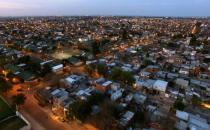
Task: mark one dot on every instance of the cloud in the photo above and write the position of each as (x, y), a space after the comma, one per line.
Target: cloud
(8, 5)
(15, 5)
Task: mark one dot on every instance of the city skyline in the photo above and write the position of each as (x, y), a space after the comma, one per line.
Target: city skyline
(188, 8)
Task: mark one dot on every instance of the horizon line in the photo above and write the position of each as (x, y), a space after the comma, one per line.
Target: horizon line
(159, 16)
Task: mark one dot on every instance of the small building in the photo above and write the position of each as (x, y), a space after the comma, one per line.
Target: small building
(160, 85)
(129, 97)
(73, 79)
(26, 76)
(126, 118)
(83, 94)
(102, 84)
(74, 61)
(55, 66)
(182, 83)
(116, 95)
(172, 75)
(193, 122)
(184, 71)
(145, 75)
(61, 102)
(139, 98)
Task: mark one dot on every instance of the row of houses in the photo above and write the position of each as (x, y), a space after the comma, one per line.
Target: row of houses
(190, 121)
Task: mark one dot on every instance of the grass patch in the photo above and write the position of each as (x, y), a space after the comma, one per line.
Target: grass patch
(5, 110)
(14, 123)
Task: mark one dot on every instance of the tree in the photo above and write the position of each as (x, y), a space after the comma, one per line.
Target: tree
(141, 117)
(206, 60)
(4, 86)
(146, 63)
(178, 36)
(95, 47)
(171, 84)
(193, 40)
(24, 59)
(102, 69)
(90, 69)
(179, 105)
(124, 57)
(196, 101)
(172, 45)
(115, 73)
(127, 78)
(18, 99)
(79, 110)
(160, 58)
(104, 41)
(96, 98)
(124, 77)
(125, 35)
(34, 66)
(46, 69)
(106, 118)
(168, 66)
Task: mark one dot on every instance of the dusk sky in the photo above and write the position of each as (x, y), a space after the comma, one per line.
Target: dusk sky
(105, 7)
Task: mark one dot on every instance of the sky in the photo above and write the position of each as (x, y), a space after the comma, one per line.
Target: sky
(105, 7)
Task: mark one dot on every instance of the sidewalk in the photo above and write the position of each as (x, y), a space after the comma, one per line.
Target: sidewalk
(34, 124)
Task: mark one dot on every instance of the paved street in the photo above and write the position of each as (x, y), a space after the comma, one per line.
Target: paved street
(41, 118)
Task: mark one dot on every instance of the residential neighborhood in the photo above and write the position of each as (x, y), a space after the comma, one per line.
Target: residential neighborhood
(106, 73)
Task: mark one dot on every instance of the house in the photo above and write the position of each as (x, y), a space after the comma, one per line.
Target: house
(182, 83)
(201, 84)
(61, 102)
(145, 75)
(155, 113)
(55, 66)
(74, 61)
(125, 68)
(112, 64)
(172, 75)
(116, 95)
(148, 83)
(126, 118)
(193, 122)
(160, 85)
(152, 68)
(83, 94)
(102, 84)
(91, 62)
(43, 95)
(26, 76)
(161, 74)
(184, 71)
(12, 68)
(102, 61)
(182, 115)
(115, 86)
(59, 95)
(129, 97)
(73, 79)
(19, 73)
(139, 98)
